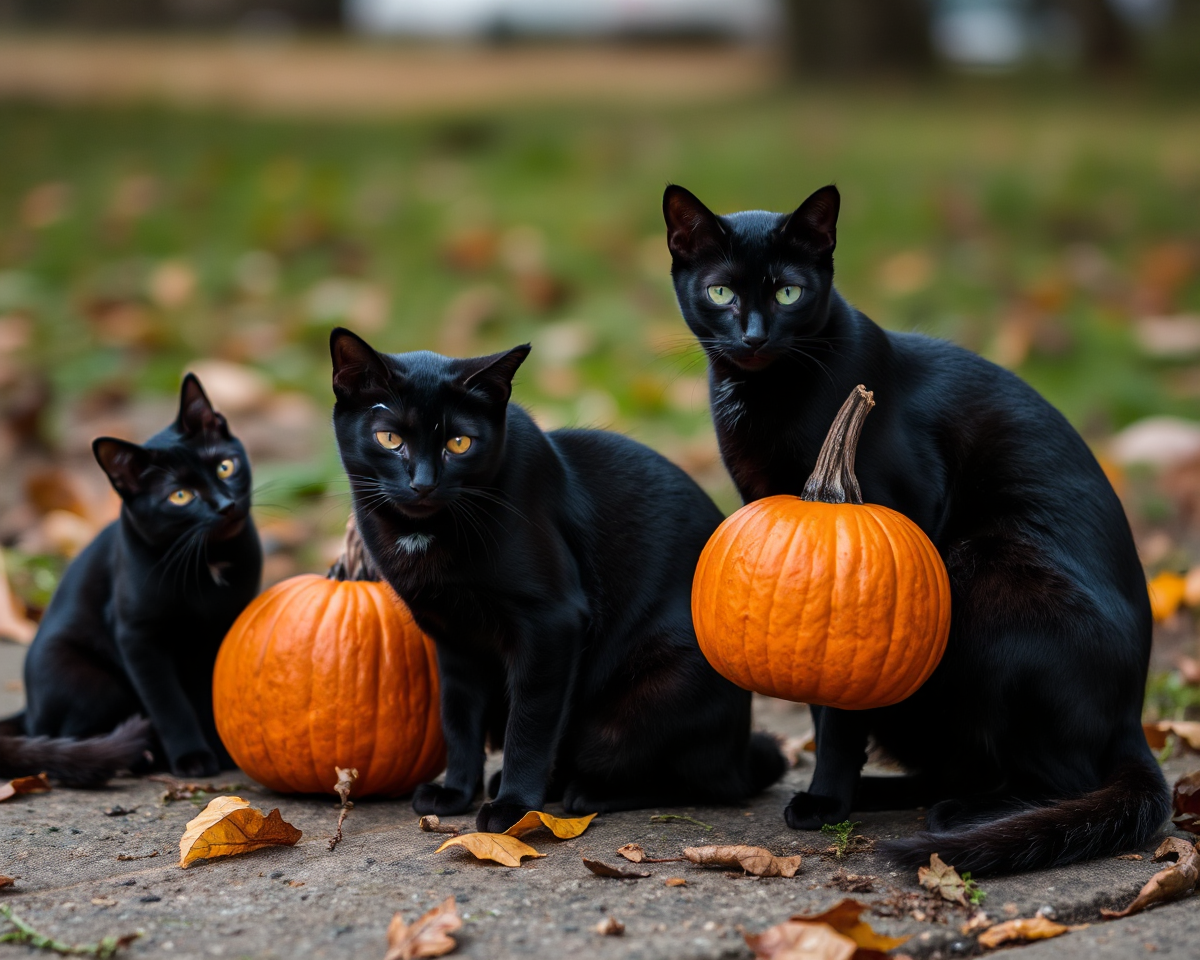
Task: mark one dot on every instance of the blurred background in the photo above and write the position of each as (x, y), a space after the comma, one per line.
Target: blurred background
(213, 184)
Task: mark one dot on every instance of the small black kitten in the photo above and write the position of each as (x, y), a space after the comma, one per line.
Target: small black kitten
(1044, 761)
(554, 572)
(135, 625)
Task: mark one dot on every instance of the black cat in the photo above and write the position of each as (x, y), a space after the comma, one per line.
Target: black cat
(136, 622)
(1028, 736)
(554, 573)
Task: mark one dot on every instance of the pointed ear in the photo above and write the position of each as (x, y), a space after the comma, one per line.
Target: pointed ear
(813, 224)
(493, 375)
(124, 462)
(691, 226)
(196, 414)
(357, 367)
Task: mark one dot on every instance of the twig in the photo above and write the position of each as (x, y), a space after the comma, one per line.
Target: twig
(139, 856)
(345, 782)
(183, 790)
(431, 824)
(26, 934)
(661, 817)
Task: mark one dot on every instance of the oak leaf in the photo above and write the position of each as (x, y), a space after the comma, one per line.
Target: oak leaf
(755, 860)
(229, 826)
(843, 916)
(1185, 802)
(427, 937)
(22, 785)
(1032, 928)
(561, 827)
(942, 878)
(505, 850)
(800, 940)
(617, 873)
(1171, 883)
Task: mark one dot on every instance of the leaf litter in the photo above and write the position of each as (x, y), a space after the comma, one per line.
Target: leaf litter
(1185, 802)
(754, 860)
(1030, 928)
(429, 936)
(834, 934)
(634, 853)
(229, 826)
(943, 879)
(601, 869)
(23, 785)
(1171, 883)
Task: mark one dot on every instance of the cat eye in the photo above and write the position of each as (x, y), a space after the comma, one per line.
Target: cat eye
(787, 295)
(720, 295)
(458, 444)
(181, 498)
(388, 440)
(227, 468)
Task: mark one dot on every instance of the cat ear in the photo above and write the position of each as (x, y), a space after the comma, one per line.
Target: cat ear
(813, 224)
(357, 367)
(196, 414)
(494, 375)
(691, 226)
(124, 462)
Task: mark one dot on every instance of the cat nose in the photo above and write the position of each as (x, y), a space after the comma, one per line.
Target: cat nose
(226, 508)
(421, 489)
(753, 341)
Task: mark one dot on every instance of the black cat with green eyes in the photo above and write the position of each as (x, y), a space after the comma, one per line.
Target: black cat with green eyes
(137, 620)
(554, 572)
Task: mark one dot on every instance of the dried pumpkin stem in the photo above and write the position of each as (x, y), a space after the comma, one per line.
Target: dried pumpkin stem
(833, 480)
(354, 563)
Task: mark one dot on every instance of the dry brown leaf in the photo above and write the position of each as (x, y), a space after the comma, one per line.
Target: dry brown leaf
(229, 826)
(943, 879)
(13, 623)
(1171, 883)
(563, 828)
(980, 921)
(617, 873)
(22, 785)
(634, 853)
(1186, 802)
(6, 882)
(675, 882)
(1188, 731)
(1033, 928)
(185, 790)
(427, 937)
(843, 916)
(431, 823)
(800, 940)
(1156, 739)
(345, 783)
(755, 860)
(505, 850)
(610, 927)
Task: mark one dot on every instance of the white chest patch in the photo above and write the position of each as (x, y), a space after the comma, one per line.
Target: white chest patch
(414, 543)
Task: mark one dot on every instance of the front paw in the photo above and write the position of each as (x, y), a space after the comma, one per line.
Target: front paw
(198, 763)
(497, 817)
(810, 811)
(444, 801)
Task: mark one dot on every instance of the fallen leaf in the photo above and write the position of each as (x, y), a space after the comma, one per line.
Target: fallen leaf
(1166, 595)
(104, 902)
(1156, 739)
(500, 847)
(843, 916)
(427, 937)
(23, 785)
(675, 882)
(943, 879)
(799, 940)
(618, 873)
(431, 823)
(1129, 856)
(980, 921)
(6, 882)
(610, 927)
(13, 623)
(794, 748)
(185, 790)
(1171, 883)
(564, 829)
(634, 853)
(229, 826)
(852, 882)
(1188, 731)
(755, 860)
(345, 783)
(1033, 928)
(1186, 802)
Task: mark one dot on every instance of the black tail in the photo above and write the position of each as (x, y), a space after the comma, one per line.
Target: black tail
(767, 764)
(76, 763)
(1118, 817)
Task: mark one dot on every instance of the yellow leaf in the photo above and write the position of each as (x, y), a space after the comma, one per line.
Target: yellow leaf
(1034, 928)
(1166, 594)
(229, 826)
(562, 828)
(427, 937)
(843, 917)
(500, 847)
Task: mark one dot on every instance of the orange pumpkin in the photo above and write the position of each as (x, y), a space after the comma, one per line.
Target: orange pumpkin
(821, 598)
(324, 672)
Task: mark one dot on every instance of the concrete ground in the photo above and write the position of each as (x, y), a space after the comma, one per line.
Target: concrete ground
(84, 874)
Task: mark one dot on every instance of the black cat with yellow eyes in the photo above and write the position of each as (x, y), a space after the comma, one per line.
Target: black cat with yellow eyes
(135, 625)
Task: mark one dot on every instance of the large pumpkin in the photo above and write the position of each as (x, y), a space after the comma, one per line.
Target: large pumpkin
(325, 672)
(823, 599)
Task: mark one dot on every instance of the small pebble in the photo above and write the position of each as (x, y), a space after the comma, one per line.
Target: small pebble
(149, 898)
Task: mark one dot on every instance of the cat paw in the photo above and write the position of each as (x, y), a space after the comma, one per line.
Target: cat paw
(198, 763)
(810, 811)
(496, 817)
(444, 801)
(493, 789)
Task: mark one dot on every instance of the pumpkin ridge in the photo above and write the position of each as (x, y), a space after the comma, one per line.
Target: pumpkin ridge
(893, 650)
(826, 607)
(381, 677)
(313, 751)
(779, 584)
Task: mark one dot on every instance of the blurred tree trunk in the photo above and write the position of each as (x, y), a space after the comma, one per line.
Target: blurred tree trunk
(843, 38)
(1106, 38)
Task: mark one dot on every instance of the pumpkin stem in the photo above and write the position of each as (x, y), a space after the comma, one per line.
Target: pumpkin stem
(354, 563)
(833, 480)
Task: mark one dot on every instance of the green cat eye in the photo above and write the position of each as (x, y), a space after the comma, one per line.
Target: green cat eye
(226, 468)
(181, 498)
(788, 294)
(388, 440)
(720, 295)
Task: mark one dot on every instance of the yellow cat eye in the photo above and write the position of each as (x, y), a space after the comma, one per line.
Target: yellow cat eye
(787, 295)
(720, 295)
(226, 468)
(458, 444)
(388, 440)
(181, 498)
